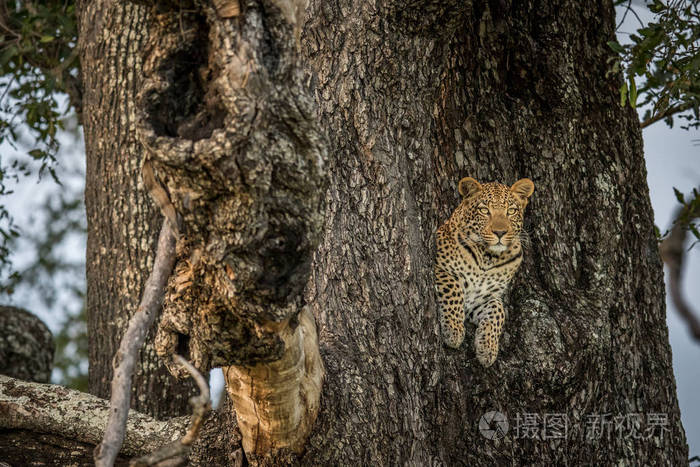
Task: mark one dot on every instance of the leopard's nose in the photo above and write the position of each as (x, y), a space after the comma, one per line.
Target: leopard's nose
(499, 233)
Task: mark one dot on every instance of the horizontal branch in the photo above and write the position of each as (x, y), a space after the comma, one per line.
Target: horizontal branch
(77, 416)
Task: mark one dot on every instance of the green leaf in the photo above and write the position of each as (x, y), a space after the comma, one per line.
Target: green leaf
(633, 93)
(37, 153)
(45, 39)
(679, 195)
(7, 54)
(693, 228)
(616, 47)
(623, 94)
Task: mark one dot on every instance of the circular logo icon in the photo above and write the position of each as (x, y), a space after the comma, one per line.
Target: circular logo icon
(493, 425)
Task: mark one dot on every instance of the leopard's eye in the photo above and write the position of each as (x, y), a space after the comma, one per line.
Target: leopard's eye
(512, 211)
(484, 211)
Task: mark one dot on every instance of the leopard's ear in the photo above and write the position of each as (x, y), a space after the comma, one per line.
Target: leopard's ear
(523, 188)
(468, 186)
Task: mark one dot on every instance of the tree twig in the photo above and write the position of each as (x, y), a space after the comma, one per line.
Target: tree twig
(131, 343)
(666, 113)
(672, 252)
(627, 9)
(176, 452)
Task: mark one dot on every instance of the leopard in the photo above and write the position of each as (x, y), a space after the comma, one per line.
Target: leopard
(479, 250)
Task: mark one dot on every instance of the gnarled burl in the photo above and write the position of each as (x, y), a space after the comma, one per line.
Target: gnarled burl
(234, 157)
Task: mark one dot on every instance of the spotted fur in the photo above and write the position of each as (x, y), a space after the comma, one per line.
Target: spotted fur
(478, 253)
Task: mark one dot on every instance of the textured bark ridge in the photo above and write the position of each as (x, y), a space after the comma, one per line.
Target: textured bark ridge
(234, 149)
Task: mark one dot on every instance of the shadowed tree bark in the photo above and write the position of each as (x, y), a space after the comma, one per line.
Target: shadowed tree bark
(411, 98)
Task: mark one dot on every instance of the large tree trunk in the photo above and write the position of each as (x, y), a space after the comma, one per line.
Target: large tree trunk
(498, 92)
(413, 98)
(122, 222)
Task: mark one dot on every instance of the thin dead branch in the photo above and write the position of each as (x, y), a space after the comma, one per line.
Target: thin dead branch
(666, 113)
(175, 453)
(131, 343)
(672, 253)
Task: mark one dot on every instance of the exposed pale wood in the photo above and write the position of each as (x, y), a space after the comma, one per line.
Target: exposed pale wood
(277, 403)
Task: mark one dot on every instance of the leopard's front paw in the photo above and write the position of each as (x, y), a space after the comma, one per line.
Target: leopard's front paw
(486, 343)
(487, 356)
(453, 334)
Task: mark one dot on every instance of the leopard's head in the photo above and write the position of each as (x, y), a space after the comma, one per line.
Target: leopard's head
(493, 213)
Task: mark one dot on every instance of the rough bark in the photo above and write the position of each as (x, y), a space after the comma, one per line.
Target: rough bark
(122, 222)
(414, 97)
(26, 346)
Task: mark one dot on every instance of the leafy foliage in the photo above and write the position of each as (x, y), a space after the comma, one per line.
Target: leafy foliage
(665, 54)
(38, 60)
(661, 68)
(38, 64)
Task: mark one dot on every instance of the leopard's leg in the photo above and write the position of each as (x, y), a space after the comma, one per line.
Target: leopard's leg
(451, 307)
(488, 331)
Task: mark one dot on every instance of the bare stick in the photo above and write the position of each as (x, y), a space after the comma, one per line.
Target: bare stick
(177, 451)
(672, 252)
(666, 113)
(131, 343)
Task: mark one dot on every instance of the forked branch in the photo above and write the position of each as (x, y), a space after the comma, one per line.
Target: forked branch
(176, 452)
